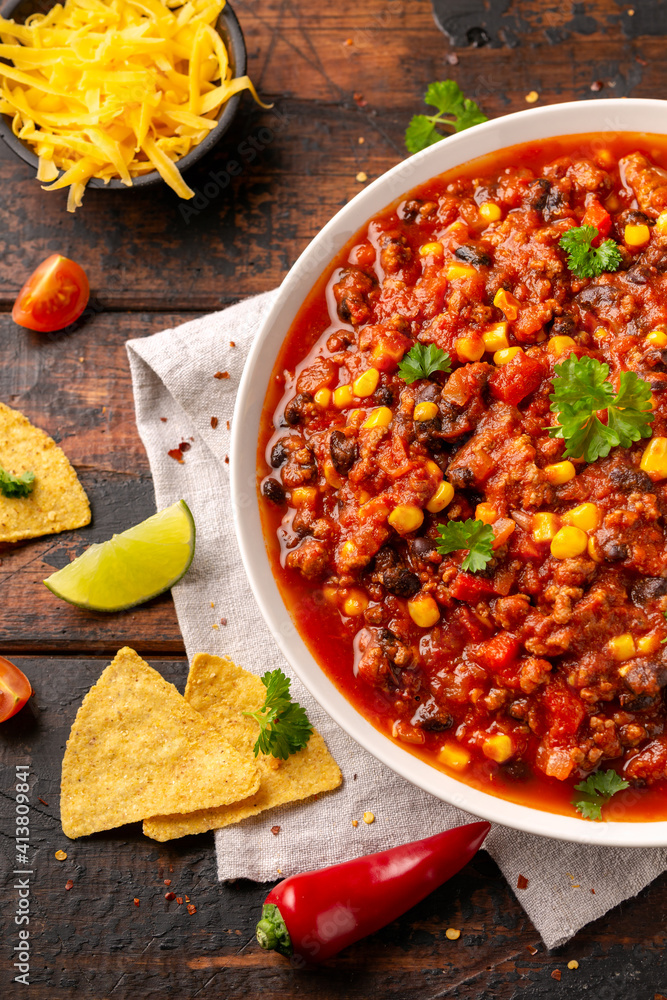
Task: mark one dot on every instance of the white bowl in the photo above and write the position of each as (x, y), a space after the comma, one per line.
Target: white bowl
(539, 123)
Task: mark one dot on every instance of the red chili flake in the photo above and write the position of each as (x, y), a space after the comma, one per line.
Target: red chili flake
(593, 892)
(642, 62)
(170, 896)
(223, 621)
(192, 908)
(68, 884)
(163, 419)
(177, 455)
(556, 974)
(232, 343)
(167, 881)
(597, 85)
(43, 802)
(184, 446)
(522, 882)
(214, 422)
(275, 830)
(187, 899)
(532, 949)
(228, 425)
(226, 459)
(179, 900)
(452, 58)
(360, 100)
(136, 901)
(221, 375)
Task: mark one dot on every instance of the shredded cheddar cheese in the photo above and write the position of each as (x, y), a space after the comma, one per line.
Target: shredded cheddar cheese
(115, 88)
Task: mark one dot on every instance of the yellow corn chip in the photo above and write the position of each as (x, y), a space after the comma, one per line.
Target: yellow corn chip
(57, 501)
(137, 748)
(221, 692)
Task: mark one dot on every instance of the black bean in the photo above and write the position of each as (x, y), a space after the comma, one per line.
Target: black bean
(273, 491)
(615, 551)
(385, 559)
(401, 581)
(279, 454)
(343, 452)
(630, 480)
(473, 255)
(384, 396)
(538, 192)
(422, 546)
(295, 409)
(564, 324)
(649, 588)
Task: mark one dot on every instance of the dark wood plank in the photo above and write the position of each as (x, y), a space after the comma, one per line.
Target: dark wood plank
(239, 237)
(92, 940)
(77, 388)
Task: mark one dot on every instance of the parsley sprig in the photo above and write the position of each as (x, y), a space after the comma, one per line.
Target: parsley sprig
(283, 724)
(585, 260)
(476, 536)
(581, 389)
(423, 360)
(597, 789)
(16, 486)
(448, 98)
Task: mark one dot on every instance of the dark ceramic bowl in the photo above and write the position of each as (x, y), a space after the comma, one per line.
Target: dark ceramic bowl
(231, 34)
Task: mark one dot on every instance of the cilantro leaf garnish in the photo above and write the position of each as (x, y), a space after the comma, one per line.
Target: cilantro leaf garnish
(664, 615)
(476, 536)
(423, 360)
(447, 97)
(597, 789)
(16, 486)
(585, 260)
(283, 724)
(581, 389)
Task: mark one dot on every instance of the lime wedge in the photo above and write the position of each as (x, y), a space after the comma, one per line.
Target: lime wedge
(132, 567)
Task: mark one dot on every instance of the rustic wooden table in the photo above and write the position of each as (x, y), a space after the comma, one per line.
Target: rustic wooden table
(345, 81)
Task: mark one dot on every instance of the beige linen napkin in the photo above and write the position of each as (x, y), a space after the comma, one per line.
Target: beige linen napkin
(176, 395)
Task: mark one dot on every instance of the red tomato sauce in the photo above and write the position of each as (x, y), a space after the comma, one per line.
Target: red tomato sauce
(549, 662)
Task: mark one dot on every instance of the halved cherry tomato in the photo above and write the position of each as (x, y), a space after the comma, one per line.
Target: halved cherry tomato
(53, 296)
(15, 689)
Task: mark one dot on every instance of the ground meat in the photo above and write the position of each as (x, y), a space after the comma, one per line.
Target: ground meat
(310, 558)
(352, 293)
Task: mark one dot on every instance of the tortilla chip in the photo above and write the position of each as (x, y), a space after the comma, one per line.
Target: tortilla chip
(57, 501)
(137, 748)
(221, 691)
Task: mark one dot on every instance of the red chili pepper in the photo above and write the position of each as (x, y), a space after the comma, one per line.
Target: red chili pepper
(315, 915)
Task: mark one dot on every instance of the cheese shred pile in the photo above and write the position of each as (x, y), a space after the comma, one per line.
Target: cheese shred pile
(115, 88)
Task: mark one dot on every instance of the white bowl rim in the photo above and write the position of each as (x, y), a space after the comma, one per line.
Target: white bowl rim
(607, 115)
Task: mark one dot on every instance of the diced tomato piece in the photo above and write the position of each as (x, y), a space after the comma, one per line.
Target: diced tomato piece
(565, 710)
(517, 379)
(471, 588)
(476, 630)
(499, 653)
(321, 373)
(503, 528)
(596, 215)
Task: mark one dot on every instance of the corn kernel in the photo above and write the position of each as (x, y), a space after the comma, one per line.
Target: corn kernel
(568, 543)
(470, 348)
(509, 305)
(455, 271)
(343, 396)
(355, 603)
(586, 516)
(495, 338)
(486, 512)
(454, 756)
(441, 498)
(303, 496)
(559, 473)
(490, 212)
(331, 476)
(654, 459)
(406, 518)
(433, 468)
(331, 593)
(545, 527)
(323, 398)
(434, 249)
(425, 411)
(363, 496)
(379, 417)
(600, 333)
(367, 383)
(650, 643)
(657, 338)
(561, 345)
(423, 610)
(368, 817)
(594, 551)
(661, 224)
(505, 356)
(348, 551)
(452, 933)
(622, 647)
(354, 415)
(573, 964)
(498, 747)
(636, 236)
